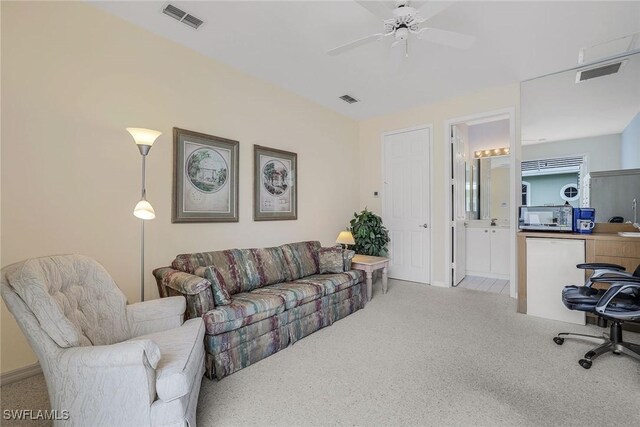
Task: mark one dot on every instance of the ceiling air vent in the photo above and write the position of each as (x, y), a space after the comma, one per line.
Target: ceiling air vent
(349, 99)
(599, 71)
(182, 16)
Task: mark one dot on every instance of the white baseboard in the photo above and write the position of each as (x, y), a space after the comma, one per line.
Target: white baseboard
(439, 283)
(20, 374)
(487, 274)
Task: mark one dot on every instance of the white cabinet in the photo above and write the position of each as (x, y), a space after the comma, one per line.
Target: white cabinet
(500, 253)
(488, 252)
(478, 246)
(551, 265)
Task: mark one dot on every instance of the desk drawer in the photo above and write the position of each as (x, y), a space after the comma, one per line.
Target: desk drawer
(617, 249)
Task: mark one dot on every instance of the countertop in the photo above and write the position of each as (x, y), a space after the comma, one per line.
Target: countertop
(593, 236)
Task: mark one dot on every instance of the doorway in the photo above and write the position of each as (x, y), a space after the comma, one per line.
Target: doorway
(482, 203)
(406, 204)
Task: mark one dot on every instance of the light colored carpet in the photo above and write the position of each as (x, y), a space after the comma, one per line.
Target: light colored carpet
(420, 356)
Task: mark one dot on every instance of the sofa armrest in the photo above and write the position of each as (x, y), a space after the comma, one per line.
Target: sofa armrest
(347, 257)
(156, 315)
(185, 283)
(196, 289)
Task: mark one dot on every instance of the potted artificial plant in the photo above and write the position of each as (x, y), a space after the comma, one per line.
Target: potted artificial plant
(369, 233)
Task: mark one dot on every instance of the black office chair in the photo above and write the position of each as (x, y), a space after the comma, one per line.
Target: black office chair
(619, 303)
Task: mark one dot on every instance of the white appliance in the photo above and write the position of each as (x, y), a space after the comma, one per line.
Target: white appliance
(551, 265)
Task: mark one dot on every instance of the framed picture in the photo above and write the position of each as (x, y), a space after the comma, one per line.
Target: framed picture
(205, 178)
(275, 184)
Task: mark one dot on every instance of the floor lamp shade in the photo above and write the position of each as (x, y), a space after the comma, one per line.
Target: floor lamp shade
(144, 139)
(144, 136)
(144, 210)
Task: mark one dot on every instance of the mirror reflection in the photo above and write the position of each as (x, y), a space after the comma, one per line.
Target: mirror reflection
(487, 172)
(580, 138)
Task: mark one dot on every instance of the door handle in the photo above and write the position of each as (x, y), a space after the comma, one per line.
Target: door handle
(424, 225)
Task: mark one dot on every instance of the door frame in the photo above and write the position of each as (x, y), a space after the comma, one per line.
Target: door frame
(514, 176)
(428, 127)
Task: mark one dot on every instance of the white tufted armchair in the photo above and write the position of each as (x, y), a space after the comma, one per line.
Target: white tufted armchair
(106, 363)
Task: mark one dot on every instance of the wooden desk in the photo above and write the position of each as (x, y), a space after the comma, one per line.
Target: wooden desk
(369, 264)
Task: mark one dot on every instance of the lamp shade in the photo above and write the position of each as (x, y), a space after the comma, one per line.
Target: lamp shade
(144, 136)
(345, 238)
(144, 210)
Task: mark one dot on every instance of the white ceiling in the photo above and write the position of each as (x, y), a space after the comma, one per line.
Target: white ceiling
(284, 42)
(556, 108)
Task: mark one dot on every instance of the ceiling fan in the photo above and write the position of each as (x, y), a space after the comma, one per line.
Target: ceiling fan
(401, 18)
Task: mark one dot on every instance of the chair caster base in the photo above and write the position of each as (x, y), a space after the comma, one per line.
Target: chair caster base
(586, 364)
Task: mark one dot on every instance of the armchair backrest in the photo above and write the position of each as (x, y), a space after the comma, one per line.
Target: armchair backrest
(73, 298)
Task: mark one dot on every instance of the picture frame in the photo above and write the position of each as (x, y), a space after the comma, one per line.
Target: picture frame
(275, 184)
(205, 178)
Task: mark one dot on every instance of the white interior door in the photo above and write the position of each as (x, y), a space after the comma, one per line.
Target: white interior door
(406, 203)
(459, 147)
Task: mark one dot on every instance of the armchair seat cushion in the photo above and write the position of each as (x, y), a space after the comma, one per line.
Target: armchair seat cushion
(181, 358)
(245, 308)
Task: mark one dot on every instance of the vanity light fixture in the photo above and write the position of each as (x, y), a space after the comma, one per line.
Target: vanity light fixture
(491, 153)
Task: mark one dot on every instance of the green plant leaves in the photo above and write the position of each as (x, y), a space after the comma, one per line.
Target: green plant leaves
(370, 234)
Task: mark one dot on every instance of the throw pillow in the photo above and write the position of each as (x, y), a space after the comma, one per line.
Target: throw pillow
(218, 286)
(331, 260)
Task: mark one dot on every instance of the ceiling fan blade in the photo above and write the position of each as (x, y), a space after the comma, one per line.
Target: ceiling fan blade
(447, 38)
(382, 9)
(429, 9)
(356, 43)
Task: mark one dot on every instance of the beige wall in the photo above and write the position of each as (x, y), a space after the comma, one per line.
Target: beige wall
(73, 78)
(436, 115)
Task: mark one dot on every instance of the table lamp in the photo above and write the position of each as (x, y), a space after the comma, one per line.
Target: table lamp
(345, 238)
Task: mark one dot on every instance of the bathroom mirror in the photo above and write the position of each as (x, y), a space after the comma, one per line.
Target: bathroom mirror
(579, 123)
(487, 171)
(488, 188)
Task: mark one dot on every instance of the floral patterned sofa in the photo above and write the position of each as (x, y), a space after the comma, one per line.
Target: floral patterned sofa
(255, 302)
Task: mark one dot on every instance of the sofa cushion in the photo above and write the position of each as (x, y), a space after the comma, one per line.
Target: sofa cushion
(181, 358)
(245, 308)
(293, 293)
(332, 283)
(237, 267)
(301, 258)
(219, 289)
(330, 260)
(271, 265)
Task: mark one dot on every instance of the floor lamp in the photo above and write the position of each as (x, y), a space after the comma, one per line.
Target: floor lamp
(144, 139)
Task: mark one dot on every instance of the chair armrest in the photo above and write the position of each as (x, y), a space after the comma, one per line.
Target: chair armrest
(612, 292)
(156, 315)
(120, 355)
(605, 276)
(600, 266)
(106, 385)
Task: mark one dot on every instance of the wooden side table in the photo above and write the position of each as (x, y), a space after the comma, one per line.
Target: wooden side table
(369, 264)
